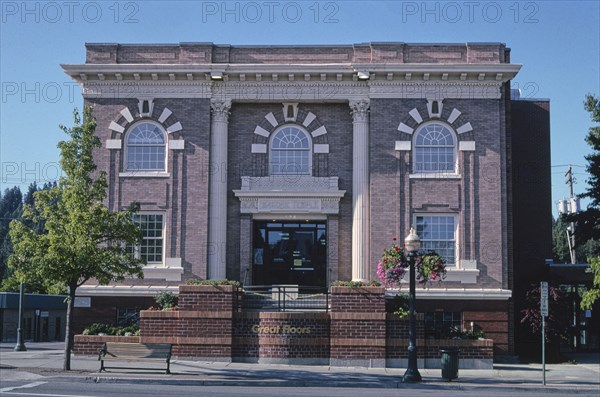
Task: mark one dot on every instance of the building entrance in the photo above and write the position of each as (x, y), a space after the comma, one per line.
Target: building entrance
(293, 253)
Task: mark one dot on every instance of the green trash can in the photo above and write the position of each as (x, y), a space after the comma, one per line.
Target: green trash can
(449, 364)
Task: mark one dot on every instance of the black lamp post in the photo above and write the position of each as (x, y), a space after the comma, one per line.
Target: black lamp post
(20, 347)
(412, 242)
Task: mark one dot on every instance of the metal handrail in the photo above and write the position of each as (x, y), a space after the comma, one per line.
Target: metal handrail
(285, 298)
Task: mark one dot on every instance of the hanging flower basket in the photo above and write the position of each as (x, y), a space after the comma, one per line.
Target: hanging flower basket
(394, 262)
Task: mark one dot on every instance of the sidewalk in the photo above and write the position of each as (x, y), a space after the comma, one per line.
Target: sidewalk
(46, 360)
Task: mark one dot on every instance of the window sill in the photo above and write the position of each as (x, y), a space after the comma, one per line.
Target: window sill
(464, 276)
(144, 174)
(434, 175)
(160, 271)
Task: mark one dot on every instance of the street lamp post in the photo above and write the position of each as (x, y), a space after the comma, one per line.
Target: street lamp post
(412, 242)
(20, 347)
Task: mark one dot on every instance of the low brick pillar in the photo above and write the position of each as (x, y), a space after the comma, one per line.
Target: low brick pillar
(205, 327)
(90, 345)
(282, 338)
(358, 326)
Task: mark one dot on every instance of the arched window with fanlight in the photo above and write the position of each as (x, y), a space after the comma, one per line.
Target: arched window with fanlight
(290, 151)
(435, 149)
(145, 147)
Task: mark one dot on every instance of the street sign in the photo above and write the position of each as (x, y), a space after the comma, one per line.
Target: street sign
(544, 314)
(544, 298)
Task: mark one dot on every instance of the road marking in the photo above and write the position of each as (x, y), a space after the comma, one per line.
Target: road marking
(14, 393)
(9, 390)
(27, 386)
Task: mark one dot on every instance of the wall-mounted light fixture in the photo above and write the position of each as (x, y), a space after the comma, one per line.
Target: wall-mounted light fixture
(216, 75)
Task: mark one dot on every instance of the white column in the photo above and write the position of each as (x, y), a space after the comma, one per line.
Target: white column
(217, 199)
(360, 190)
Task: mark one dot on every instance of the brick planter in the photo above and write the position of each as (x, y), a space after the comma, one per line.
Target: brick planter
(90, 345)
(356, 332)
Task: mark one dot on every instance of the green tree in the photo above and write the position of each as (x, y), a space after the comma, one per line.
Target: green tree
(11, 206)
(81, 239)
(588, 221)
(560, 245)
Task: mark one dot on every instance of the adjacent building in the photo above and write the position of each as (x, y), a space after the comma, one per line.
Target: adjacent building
(297, 165)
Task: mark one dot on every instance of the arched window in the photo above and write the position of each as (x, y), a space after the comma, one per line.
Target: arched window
(146, 148)
(290, 152)
(435, 149)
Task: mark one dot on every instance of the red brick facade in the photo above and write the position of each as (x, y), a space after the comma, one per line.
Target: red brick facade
(200, 92)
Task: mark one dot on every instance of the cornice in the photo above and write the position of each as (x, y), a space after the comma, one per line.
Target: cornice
(499, 73)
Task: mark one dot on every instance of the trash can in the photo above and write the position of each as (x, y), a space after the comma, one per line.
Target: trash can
(449, 364)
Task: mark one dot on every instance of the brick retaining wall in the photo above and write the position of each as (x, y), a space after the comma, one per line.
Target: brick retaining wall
(357, 331)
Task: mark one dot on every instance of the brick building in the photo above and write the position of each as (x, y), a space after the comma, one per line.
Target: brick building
(296, 165)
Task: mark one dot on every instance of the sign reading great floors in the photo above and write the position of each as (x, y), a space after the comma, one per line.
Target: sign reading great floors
(286, 329)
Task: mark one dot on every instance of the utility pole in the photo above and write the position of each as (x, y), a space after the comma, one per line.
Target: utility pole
(573, 208)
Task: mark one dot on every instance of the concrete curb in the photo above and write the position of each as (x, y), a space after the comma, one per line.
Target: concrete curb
(425, 385)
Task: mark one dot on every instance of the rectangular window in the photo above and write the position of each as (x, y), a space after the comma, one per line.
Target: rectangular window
(441, 324)
(438, 233)
(151, 248)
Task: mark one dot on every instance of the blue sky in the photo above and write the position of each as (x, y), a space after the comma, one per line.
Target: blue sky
(557, 42)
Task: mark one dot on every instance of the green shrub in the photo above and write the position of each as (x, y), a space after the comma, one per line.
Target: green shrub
(97, 328)
(166, 300)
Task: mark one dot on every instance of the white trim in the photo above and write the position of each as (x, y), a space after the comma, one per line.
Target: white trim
(405, 128)
(466, 146)
(271, 119)
(321, 148)
(464, 276)
(113, 143)
(454, 115)
(164, 115)
(319, 131)
(261, 131)
(174, 128)
(310, 117)
(433, 175)
(177, 144)
(167, 273)
(403, 145)
(116, 127)
(127, 114)
(464, 128)
(259, 148)
(124, 290)
(144, 174)
(414, 113)
(457, 293)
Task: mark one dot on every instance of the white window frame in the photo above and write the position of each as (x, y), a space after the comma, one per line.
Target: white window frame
(309, 150)
(142, 172)
(456, 263)
(439, 173)
(137, 247)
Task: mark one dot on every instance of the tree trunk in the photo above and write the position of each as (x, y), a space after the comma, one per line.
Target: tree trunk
(68, 330)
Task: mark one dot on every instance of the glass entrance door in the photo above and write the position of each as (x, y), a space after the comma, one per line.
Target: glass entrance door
(290, 253)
